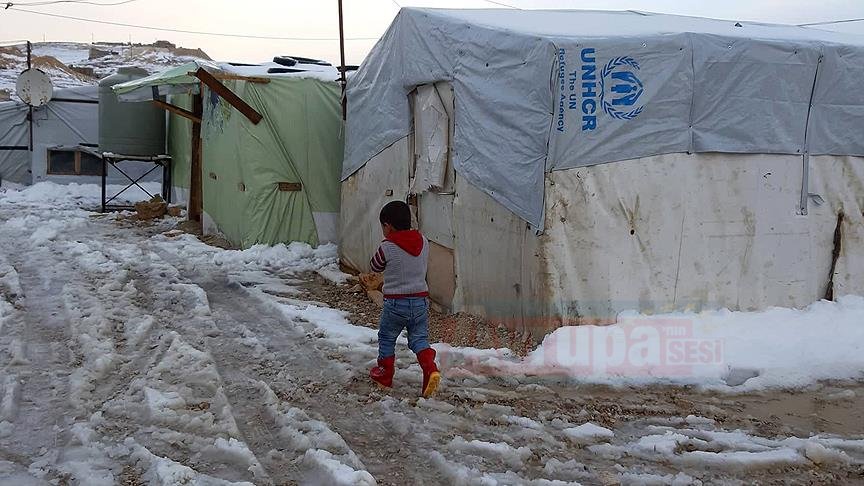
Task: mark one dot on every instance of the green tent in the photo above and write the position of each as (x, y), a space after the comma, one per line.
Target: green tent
(274, 182)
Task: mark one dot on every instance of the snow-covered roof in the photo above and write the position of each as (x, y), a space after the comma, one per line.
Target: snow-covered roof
(629, 23)
(274, 70)
(178, 79)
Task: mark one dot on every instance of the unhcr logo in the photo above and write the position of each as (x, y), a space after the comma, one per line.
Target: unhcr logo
(616, 89)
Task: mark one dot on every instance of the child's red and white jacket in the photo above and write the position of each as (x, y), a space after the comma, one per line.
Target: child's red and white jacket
(403, 258)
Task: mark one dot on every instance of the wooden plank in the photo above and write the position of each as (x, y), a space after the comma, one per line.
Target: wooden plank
(177, 110)
(290, 186)
(236, 77)
(196, 191)
(229, 96)
(442, 275)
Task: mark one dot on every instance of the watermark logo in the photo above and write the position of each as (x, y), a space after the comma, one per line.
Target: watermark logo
(635, 347)
(642, 347)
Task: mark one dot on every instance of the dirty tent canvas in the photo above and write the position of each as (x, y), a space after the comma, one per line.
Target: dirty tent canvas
(274, 182)
(617, 160)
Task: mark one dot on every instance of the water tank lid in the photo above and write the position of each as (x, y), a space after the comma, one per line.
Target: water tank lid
(133, 71)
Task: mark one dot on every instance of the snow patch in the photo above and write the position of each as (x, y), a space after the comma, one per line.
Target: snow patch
(588, 433)
(330, 471)
(502, 451)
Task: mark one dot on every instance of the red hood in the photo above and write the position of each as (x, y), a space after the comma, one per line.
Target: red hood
(409, 240)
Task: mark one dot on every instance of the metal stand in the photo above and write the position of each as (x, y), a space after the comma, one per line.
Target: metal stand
(163, 161)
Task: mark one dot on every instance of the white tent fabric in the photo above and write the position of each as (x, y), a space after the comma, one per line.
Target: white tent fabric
(430, 125)
(548, 90)
(657, 234)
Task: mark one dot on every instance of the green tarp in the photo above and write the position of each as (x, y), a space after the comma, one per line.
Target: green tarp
(250, 171)
(270, 183)
(177, 76)
(180, 142)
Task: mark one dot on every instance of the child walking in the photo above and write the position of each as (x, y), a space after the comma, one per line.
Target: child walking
(403, 257)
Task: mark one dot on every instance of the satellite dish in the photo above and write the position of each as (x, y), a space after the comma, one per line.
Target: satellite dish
(34, 87)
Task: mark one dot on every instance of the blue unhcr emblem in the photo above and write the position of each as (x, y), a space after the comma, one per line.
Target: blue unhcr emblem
(624, 90)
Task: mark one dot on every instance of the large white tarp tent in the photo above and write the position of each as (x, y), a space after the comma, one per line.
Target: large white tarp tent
(660, 162)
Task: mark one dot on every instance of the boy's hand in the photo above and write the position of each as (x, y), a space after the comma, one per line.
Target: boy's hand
(371, 281)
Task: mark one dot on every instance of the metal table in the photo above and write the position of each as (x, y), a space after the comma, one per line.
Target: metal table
(112, 159)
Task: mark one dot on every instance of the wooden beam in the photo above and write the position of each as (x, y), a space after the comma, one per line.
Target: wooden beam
(196, 190)
(177, 110)
(290, 186)
(229, 96)
(236, 77)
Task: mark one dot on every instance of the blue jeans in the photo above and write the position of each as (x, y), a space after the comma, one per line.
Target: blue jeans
(411, 313)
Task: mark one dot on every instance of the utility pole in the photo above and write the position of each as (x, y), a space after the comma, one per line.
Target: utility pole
(344, 80)
(30, 111)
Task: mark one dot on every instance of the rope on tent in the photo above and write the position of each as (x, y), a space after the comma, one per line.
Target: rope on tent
(835, 255)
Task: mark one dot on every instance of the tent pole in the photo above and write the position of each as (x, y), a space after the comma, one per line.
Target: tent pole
(344, 80)
(196, 199)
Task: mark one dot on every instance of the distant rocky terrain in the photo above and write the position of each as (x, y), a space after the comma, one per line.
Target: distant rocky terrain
(76, 64)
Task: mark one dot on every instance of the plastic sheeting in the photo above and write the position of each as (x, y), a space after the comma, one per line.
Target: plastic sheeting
(432, 135)
(503, 100)
(553, 90)
(71, 118)
(727, 238)
(14, 143)
(180, 149)
(269, 183)
(669, 232)
(385, 178)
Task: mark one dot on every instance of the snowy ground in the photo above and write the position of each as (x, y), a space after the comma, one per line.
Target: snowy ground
(135, 354)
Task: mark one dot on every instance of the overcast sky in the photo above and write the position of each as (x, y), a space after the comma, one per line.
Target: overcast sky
(364, 19)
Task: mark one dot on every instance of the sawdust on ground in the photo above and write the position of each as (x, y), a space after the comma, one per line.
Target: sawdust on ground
(460, 329)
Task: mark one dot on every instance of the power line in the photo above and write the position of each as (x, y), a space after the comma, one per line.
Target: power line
(55, 2)
(502, 4)
(195, 32)
(829, 22)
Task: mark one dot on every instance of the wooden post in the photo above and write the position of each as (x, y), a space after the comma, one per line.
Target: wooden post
(344, 78)
(177, 111)
(229, 96)
(196, 189)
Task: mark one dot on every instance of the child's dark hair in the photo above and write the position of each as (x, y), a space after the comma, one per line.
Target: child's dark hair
(397, 214)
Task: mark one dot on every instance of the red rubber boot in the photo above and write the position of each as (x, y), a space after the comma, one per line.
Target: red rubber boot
(383, 373)
(431, 376)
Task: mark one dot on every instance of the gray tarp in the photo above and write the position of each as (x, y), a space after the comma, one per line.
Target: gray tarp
(14, 143)
(655, 84)
(69, 119)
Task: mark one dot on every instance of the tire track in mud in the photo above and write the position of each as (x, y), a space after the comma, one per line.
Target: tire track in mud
(37, 368)
(301, 375)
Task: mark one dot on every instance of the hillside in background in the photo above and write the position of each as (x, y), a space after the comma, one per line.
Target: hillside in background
(75, 64)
